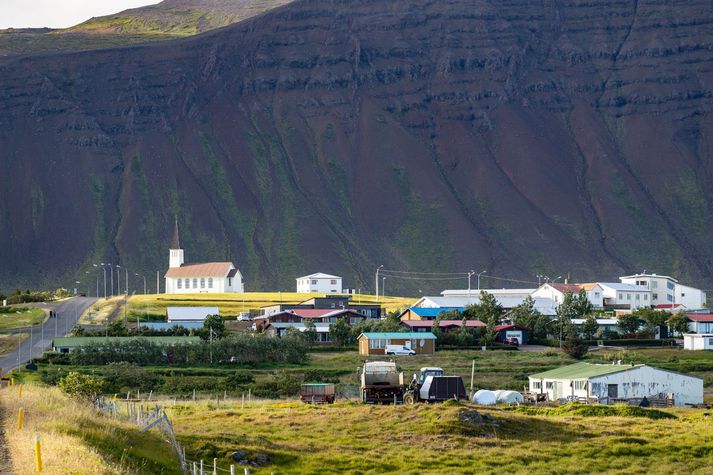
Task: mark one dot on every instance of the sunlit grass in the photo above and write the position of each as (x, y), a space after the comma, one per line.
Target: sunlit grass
(8, 342)
(19, 317)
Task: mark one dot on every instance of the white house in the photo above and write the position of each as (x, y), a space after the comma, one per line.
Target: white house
(696, 341)
(556, 293)
(666, 290)
(189, 314)
(611, 383)
(631, 296)
(319, 283)
(690, 297)
(700, 322)
(545, 306)
(207, 277)
(523, 293)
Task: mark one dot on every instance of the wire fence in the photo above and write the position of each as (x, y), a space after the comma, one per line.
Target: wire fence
(147, 416)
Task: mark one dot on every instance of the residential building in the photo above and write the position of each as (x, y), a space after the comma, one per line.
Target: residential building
(700, 323)
(690, 297)
(280, 329)
(426, 313)
(446, 326)
(327, 302)
(302, 315)
(556, 292)
(619, 295)
(605, 324)
(512, 331)
(319, 283)
(375, 343)
(613, 383)
(207, 277)
(522, 293)
(697, 342)
(545, 306)
(179, 315)
(595, 294)
(662, 287)
(69, 344)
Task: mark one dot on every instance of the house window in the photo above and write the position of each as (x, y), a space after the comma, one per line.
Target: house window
(549, 384)
(376, 343)
(580, 385)
(621, 296)
(682, 294)
(230, 281)
(536, 385)
(628, 296)
(669, 285)
(195, 283)
(596, 295)
(202, 282)
(655, 297)
(641, 282)
(710, 341)
(669, 297)
(646, 296)
(638, 297)
(333, 282)
(314, 282)
(180, 283)
(210, 282)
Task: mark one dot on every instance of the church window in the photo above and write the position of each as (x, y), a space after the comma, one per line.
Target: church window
(180, 283)
(210, 282)
(188, 283)
(202, 282)
(195, 283)
(230, 281)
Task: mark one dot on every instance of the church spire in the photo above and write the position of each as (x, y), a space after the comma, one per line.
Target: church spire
(175, 242)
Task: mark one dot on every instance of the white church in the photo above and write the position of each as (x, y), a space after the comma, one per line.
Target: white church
(207, 277)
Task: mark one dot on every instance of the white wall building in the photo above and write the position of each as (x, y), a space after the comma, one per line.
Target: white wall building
(628, 295)
(545, 306)
(189, 314)
(690, 297)
(608, 383)
(319, 283)
(209, 277)
(695, 341)
(661, 286)
(523, 293)
(556, 293)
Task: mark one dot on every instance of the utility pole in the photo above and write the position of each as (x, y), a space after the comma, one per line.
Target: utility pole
(377, 281)
(383, 287)
(470, 274)
(144, 277)
(104, 270)
(126, 287)
(111, 275)
(158, 289)
(118, 279)
(479, 274)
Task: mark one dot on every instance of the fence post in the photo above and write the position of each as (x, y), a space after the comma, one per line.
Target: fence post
(202, 470)
(250, 392)
(38, 454)
(195, 470)
(138, 394)
(242, 404)
(20, 418)
(225, 394)
(150, 394)
(232, 469)
(215, 466)
(128, 395)
(247, 471)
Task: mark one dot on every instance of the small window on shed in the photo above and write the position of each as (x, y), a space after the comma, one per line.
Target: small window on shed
(536, 385)
(580, 385)
(549, 384)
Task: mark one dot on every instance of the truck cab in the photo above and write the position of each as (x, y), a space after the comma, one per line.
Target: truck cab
(423, 373)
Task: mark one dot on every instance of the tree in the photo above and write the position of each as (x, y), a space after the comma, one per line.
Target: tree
(116, 328)
(590, 327)
(629, 324)
(339, 332)
(678, 323)
(81, 386)
(488, 311)
(215, 325)
(582, 306)
(566, 311)
(575, 348)
(527, 316)
(310, 332)
(652, 318)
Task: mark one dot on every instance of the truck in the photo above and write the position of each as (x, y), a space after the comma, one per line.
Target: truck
(431, 384)
(317, 393)
(382, 382)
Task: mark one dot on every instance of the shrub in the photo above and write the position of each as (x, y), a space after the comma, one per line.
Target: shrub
(81, 386)
(575, 348)
(239, 378)
(120, 377)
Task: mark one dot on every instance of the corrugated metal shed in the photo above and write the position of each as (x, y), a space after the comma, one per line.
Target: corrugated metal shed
(582, 371)
(191, 314)
(168, 325)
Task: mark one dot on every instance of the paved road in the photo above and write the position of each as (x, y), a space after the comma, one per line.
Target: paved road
(67, 311)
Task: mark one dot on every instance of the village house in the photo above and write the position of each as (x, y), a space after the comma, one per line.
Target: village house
(423, 343)
(698, 341)
(183, 315)
(610, 325)
(521, 293)
(326, 302)
(446, 326)
(302, 315)
(628, 296)
(666, 290)
(545, 306)
(700, 322)
(504, 332)
(207, 277)
(319, 283)
(612, 383)
(556, 292)
(425, 313)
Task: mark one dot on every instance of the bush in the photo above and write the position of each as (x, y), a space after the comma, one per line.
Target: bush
(577, 349)
(121, 377)
(279, 384)
(81, 386)
(238, 379)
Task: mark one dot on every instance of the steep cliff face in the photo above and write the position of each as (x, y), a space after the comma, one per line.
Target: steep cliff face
(525, 137)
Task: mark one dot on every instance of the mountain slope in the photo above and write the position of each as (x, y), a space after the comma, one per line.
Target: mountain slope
(522, 137)
(167, 20)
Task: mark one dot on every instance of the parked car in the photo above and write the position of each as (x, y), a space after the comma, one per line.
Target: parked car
(399, 350)
(244, 317)
(512, 341)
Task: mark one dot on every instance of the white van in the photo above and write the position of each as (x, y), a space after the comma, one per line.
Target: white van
(399, 350)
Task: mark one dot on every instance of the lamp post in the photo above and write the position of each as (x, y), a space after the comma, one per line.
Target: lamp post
(471, 273)
(556, 279)
(89, 293)
(377, 281)
(143, 277)
(118, 279)
(104, 270)
(383, 287)
(539, 279)
(479, 274)
(111, 276)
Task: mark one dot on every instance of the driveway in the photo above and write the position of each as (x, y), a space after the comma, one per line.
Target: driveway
(67, 313)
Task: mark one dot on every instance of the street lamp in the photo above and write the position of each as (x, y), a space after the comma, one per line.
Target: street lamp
(144, 277)
(377, 281)
(539, 279)
(471, 273)
(479, 274)
(118, 279)
(383, 287)
(111, 275)
(556, 279)
(104, 270)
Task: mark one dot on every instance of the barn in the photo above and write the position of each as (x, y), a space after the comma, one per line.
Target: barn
(614, 383)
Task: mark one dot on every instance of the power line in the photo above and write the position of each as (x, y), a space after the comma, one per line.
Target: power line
(422, 273)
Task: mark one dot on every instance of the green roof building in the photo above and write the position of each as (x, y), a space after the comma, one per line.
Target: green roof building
(613, 383)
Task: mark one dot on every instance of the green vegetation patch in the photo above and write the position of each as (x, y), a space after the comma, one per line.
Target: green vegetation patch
(596, 410)
(19, 317)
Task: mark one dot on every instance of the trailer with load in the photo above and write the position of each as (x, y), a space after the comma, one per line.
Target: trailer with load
(432, 385)
(317, 393)
(382, 382)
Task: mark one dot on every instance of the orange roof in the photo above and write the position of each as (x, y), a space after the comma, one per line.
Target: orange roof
(207, 269)
(589, 286)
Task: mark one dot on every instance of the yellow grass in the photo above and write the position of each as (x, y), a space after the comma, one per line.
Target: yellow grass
(234, 303)
(98, 313)
(9, 342)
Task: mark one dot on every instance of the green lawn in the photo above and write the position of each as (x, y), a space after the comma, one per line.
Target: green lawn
(8, 342)
(20, 317)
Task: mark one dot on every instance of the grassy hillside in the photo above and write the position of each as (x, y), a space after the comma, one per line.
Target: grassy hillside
(75, 439)
(19, 317)
(169, 19)
(139, 306)
(444, 438)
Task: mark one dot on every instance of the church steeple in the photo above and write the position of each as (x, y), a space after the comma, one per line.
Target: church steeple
(175, 242)
(175, 257)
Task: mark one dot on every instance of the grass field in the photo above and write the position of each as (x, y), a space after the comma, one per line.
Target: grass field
(444, 438)
(20, 317)
(153, 307)
(9, 342)
(75, 439)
